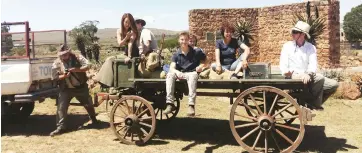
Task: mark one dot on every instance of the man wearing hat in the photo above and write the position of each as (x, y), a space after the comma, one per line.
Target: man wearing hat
(147, 49)
(70, 70)
(298, 60)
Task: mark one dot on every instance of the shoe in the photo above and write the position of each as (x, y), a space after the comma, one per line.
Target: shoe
(169, 109)
(234, 76)
(95, 121)
(191, 111)
(58, 131)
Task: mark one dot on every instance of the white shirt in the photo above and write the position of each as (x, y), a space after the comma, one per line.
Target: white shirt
(147, 35)
(298, 59)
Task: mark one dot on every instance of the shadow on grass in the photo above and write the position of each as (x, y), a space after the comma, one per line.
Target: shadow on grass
(217, 133)
(42, 125)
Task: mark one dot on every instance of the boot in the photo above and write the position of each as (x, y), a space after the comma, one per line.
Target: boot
(191, 111)
(57, 131)
(169, 109)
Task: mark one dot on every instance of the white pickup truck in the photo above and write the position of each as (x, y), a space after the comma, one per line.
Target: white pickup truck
(25, 79)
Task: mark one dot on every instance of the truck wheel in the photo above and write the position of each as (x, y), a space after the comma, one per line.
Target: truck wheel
(26, 109)
(22, 110)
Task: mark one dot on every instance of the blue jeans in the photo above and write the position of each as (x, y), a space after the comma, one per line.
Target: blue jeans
(231, 67)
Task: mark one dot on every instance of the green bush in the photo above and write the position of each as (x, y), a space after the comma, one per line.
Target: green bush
(18, 51)
(52, 48)
(169, 43)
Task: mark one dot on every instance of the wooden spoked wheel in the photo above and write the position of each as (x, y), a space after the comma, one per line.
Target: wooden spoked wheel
(279, 105)
(159, 105)
(265, 130)
(133, 120)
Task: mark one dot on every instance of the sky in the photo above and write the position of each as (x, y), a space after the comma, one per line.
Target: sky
(162, 14)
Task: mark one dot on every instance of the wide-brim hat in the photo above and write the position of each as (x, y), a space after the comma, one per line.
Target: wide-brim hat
(63, 50)
(139, 20)
(302, 27)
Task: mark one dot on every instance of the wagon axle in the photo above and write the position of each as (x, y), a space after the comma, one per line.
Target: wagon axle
(266, 122)
(131, 120)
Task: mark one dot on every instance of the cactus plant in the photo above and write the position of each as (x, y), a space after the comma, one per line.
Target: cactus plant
(317, 25)
(244, 30)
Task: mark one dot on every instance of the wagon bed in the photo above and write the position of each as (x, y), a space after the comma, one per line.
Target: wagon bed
(265, 116)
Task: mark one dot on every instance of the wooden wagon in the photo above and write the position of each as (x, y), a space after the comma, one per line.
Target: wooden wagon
(267, 114)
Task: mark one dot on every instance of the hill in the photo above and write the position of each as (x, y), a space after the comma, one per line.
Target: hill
(107, 35)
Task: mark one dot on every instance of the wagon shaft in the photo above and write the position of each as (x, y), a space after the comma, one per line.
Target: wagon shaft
(307, 114)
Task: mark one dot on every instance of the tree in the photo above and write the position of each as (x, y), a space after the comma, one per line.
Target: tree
(79, 39)
(352, 25)
(85, 38)
(170, 43)
(6, 40)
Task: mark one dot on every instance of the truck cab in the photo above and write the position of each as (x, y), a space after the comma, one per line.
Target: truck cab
(25, 78)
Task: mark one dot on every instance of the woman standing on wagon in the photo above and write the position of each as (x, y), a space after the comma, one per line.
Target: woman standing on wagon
(225, 52)
(127, 35)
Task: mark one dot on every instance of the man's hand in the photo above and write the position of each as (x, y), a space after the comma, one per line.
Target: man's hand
(143, 56)
(289, 74)
(73, 70)
(127, 59)
(245, 64)
(199, 69)
(65, 75)
(218, 69)
(306, 78)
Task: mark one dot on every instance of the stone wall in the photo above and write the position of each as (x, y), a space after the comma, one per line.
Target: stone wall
(273, 26)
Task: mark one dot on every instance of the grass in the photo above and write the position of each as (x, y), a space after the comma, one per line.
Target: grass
(336, 129)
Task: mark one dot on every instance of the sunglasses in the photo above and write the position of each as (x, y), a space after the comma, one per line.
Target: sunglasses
(296, 32)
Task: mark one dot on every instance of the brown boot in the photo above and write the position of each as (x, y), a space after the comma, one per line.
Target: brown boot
(169, 109)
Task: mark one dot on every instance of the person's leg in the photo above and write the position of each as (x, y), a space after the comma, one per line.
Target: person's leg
(192, 78)
(82, 95)
(237, 64)
(62, 109)
(170, 91)
(105, 74)
(236, 67)
(152, 61)
(329, 87)
(317, 89)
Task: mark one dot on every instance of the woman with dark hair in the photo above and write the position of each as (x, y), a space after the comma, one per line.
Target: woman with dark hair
(226, 50)
(127, 35)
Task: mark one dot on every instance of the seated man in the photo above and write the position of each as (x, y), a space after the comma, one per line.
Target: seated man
(184, 65)
(147, 50)
(193, 44)
(298, 60)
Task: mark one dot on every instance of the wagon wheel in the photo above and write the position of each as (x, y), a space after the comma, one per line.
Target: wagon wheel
(280, 104)
(160, 105)
(133, 120)
(264, 123)
(167, 117)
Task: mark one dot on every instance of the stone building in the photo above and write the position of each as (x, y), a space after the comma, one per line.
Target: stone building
(273, 26)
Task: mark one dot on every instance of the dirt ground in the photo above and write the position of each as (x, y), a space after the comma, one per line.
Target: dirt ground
(336, 129)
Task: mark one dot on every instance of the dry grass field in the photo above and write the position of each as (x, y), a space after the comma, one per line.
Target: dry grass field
(336, 129)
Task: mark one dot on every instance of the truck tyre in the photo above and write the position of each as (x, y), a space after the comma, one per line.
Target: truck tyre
(26, 109)
(21, 110)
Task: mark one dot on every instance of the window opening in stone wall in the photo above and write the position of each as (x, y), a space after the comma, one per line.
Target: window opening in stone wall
(218, 35)
(210, 36)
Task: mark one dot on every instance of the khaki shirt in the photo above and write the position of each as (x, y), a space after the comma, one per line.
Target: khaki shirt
(147, 35)
(74, 79)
